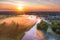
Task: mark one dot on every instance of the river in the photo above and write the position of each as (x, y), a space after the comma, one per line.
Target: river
(31, 34)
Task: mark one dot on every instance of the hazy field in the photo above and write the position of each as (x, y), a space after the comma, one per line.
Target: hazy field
(13, 26)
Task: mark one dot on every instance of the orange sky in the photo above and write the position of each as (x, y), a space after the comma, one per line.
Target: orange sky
(29, 8)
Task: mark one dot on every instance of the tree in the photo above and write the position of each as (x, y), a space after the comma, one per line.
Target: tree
(42, 26)
(56, 26)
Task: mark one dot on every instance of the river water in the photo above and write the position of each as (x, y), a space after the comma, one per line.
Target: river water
(31, 34)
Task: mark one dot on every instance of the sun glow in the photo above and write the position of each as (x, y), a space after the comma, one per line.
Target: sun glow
(20, 7)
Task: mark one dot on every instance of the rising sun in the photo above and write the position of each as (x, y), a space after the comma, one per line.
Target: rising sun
(20, 7)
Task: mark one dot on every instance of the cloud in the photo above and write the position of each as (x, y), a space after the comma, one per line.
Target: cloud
(39, 2)
(34, 3)
(42, 2)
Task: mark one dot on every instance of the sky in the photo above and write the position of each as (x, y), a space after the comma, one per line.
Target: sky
(30, 4)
